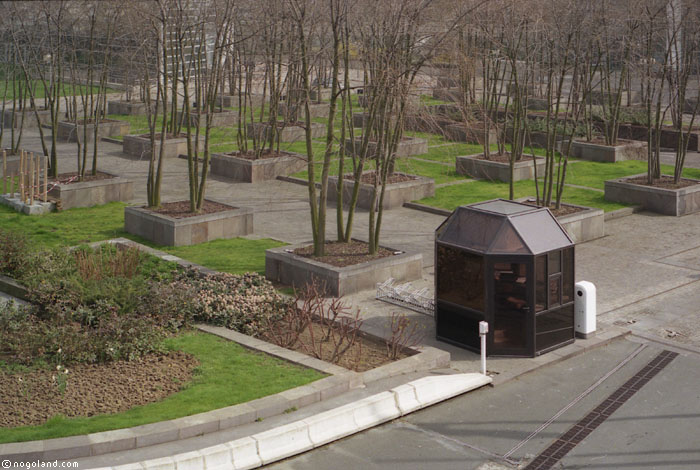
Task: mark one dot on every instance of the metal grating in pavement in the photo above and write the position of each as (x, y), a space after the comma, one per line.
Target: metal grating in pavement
(579, 431)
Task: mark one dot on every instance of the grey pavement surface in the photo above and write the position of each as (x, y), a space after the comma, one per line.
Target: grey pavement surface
(656, 428)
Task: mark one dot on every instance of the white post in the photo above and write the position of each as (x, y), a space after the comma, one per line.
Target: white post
(483, 330)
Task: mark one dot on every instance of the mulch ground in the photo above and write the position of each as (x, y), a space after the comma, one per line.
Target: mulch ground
(370, 176)
(665, 182)
(364, 355)
(251, 154)
(73, 177)
(181, 209)
(31, 398)
(344, 254)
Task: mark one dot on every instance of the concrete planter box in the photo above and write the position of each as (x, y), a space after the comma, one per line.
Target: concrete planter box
(395, 195)
(232, 101)
(472, 134)
(287, 133)
(630, 150)
(169, 231)
(434, 124)
(320, 94)
(447, 94)
(285, 267)
(628, 98)
(253, 171)
(131, 108)
(407, 147)
(12, 163)
(585, 225)
(534, 139)
(674, 202)
(29, 121)
(476, 167)
(317, 110)
(669, 136)
(219, 119)
(93, 193)
(70, 132)
(139, 146)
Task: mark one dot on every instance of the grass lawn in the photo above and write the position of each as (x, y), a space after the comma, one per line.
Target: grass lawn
(451, 197)
(91, 224)
(228, 374)
(40, 90)
(594, 174)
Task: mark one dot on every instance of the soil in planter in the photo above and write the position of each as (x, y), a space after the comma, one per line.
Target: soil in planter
(70, 178)
(32, 397)
(601, 141)
(370, 176)
(344, 254)
(181, 209)
(251, 155)
(82, 122)
(563, 210)
(498, 158)
(168, 135)
(665, 182)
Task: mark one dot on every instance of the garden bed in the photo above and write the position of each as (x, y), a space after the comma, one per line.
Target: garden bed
(92, 191)
(72, 132)
(185, 228)
(317, 110)
(598, 151)
(218, 119)
(470, 133)
(140, 145)
(662, 198)
(232, 101)
(283, 265)
(130, 108)
(668, 138)
(287, 132)
(29, 121)
(407, 147)
(401, 188)
(582, 223)
(498, 169)
(246, 168)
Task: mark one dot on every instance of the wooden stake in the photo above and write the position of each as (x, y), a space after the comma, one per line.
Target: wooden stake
(4, 172)
(37, 186)
(21, 176)
(31, 179)
(46, 179)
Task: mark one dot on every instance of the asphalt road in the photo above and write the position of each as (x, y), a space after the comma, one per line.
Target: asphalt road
(491, 428)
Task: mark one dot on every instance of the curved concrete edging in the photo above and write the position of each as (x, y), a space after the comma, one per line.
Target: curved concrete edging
(300, 436)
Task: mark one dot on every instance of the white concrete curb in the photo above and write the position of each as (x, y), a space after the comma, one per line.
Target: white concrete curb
(315, 431)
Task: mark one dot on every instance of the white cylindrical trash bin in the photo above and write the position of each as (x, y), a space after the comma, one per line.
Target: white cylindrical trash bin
(584, 309)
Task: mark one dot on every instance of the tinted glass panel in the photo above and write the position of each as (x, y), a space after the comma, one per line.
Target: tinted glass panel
(554, 290)
(540, 283)
(548, 340)
(554, 262)
(460, 277)
(510, 306)
(567, 293)
(554, 328)
(456, 326)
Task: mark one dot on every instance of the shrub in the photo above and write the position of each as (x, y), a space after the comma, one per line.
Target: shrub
(14, 250)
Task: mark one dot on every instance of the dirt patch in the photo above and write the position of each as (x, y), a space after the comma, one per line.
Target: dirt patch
(74, 177)
(665, 182)
(30, 398)
(82, 122)
(181, 209)
(564, 209)
(601, 141)
(344, 254)
(499, 158)
(370, 177)
(251, 155)
(168, 136)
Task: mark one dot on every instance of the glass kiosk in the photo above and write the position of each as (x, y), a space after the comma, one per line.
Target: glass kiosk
(512, 265)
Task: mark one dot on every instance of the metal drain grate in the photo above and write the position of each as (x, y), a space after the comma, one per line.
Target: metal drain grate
(579, 431)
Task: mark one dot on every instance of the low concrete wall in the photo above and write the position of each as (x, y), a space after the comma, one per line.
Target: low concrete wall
(169, 231)
(676, 202)
(668, 139)
(631, 150)
(70, 132)
(13, 288)
(408, 146)
(93, 193)
(253, 171)
(472, 135)
(317, 110)
(476, 167)
(395, 194)
(131, 108)
(232, 101)
(447, 94)
(288, 133)
(29, 121)
(283, 266)
(140, 147)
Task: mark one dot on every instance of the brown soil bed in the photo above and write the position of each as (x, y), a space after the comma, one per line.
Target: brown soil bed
(563, 210)
(665, 182)
(31, 398)
(499, 158)
(364, 355)
(70, 178)
(370, 176)
(181, 209)
(250, 155)
(601, 141)
(82, 122)
(344, 254)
